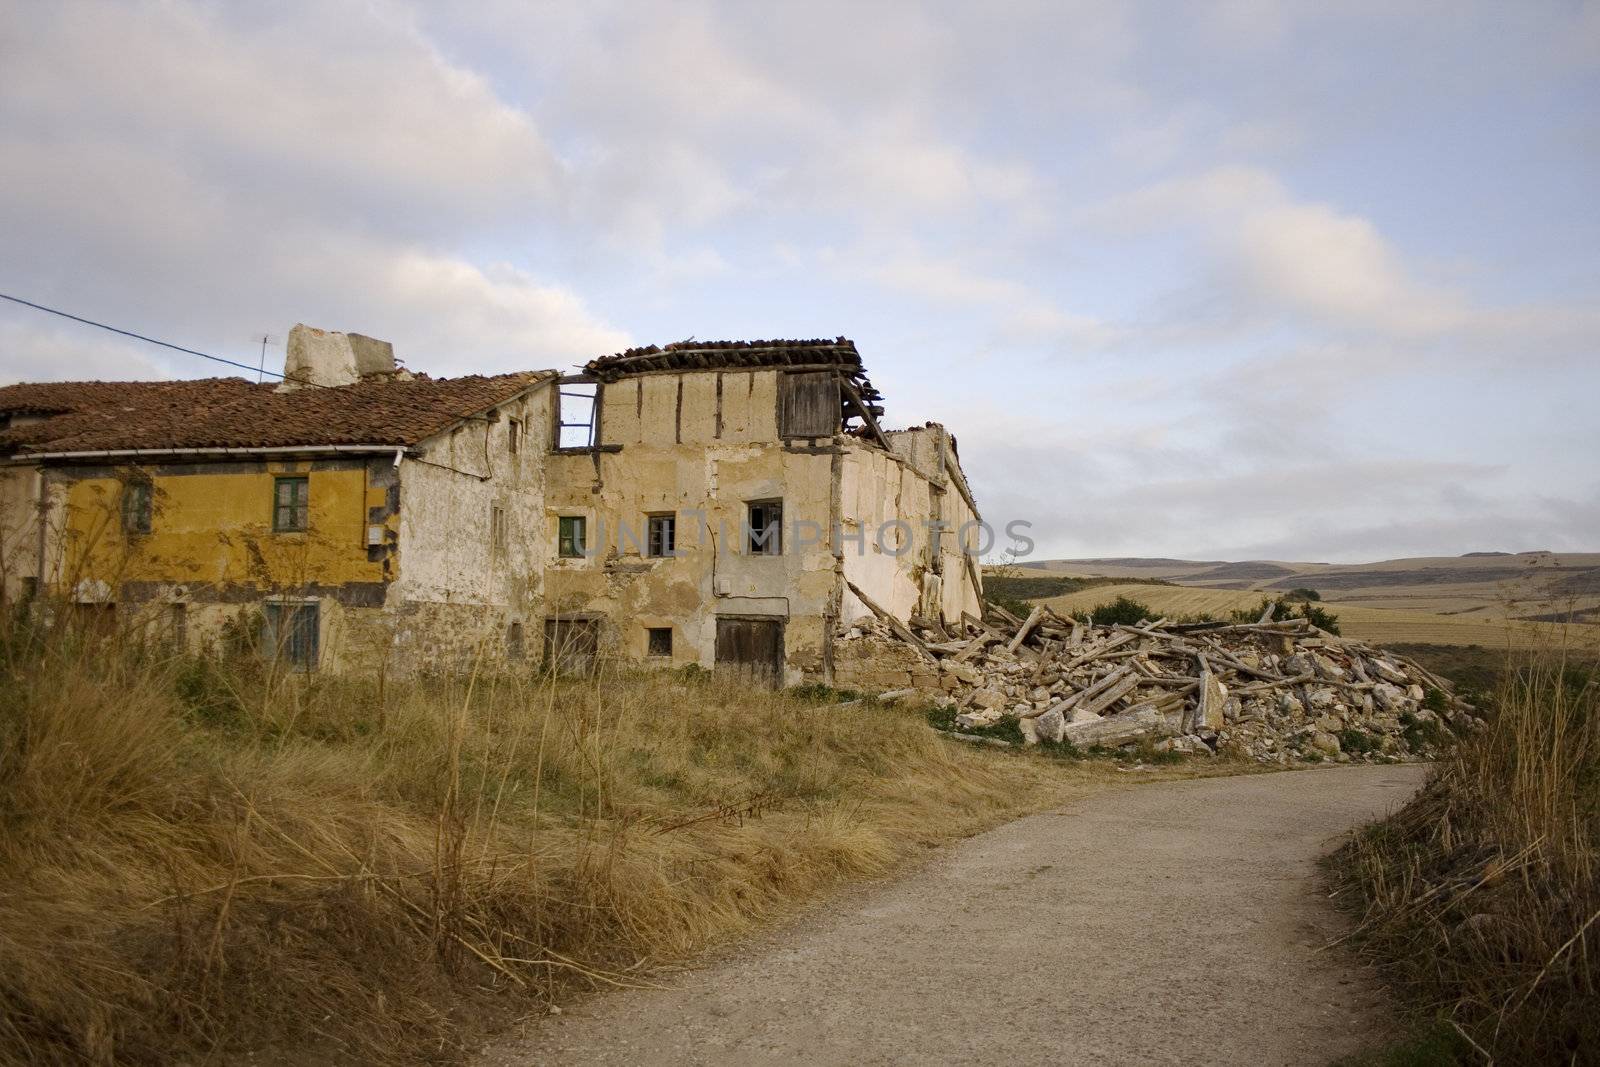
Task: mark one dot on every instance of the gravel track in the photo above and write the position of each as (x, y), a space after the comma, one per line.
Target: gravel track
(1178, 922)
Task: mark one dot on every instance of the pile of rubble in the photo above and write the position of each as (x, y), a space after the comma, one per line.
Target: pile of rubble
(1277, 692)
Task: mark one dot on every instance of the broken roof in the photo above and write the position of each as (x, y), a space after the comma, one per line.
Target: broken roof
(234, 413)
(736, 355)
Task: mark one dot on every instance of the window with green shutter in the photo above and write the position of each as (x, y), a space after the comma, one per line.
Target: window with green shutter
(136, 507)
(571, 541)
(291, 504)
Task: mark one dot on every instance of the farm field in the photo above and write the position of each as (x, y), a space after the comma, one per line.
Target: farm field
(1381, 625)
(1487, 588)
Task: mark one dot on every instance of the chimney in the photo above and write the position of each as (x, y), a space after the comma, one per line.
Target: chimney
(328, 357)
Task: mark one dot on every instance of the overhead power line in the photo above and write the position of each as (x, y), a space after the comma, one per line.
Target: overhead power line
(153, 341)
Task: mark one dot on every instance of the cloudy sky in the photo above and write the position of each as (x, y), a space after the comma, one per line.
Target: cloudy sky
(1236, 279)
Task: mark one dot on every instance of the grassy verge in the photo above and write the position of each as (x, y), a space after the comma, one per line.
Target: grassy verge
(1481, 898)
(200, 861)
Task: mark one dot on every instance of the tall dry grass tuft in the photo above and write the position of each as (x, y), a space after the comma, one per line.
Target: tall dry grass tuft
(199, 858)
(1481, 897)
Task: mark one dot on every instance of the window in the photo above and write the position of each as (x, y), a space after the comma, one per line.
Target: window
(516, 647)
(514, 434)
(577, 410)
(571, 542)
(658, 640)
(291, 504)
(290, 633)
(497, 528)
(808, 404)
(136, 507)
(661, 535)
(764, 531)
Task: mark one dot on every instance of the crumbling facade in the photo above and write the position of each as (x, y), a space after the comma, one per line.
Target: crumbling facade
(732, 505)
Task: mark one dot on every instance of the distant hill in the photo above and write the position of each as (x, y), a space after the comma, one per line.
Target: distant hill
(1484, 586)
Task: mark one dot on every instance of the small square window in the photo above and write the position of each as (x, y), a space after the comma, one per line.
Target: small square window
(497, 528)
(514, 435)
(291, 504)
(659, 641)
(136, 507)
(662, 531)
(571, 541)
(764, 529)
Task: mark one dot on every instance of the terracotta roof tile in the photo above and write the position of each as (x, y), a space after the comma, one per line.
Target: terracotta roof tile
(234, 413)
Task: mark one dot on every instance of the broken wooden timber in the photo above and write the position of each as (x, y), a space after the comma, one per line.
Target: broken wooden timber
(901, 630)
(1027, 627)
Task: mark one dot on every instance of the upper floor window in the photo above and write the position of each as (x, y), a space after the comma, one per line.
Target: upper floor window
(136, 507)
(514, 434)
(291, 504)
(571, 540)
(497, 528)
(764, 528)
(808, 404)
(578, 414)
(661, 535)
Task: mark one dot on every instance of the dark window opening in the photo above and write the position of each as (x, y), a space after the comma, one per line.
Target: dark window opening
(514, 435)
(662, 535)
(659, 641)
(516, 647)
(291, 504)
(572, 537)
(764, 528)
(577, 408)
(809, 404)
(291, 632)
(136, 507)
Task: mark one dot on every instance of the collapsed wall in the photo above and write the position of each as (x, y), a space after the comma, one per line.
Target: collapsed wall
(1273, 692)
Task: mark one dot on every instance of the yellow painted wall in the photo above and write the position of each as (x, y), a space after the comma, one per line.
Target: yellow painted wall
(212, 526)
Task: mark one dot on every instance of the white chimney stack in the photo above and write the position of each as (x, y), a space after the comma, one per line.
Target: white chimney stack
(328, 357)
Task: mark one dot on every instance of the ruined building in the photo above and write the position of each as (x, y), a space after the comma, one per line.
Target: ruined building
(722, 503)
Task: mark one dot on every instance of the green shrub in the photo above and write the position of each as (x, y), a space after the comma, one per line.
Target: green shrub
(1123, 610)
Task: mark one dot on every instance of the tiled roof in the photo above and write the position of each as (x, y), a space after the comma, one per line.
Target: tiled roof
(234, 413)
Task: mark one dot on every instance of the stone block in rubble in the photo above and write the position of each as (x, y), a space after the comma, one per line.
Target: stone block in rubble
(972, 720)
(1050, 726)
(1389, 697)
(1389, 672)
(989, 698)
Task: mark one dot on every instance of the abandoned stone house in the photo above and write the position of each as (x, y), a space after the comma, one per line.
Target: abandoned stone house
(728, 503)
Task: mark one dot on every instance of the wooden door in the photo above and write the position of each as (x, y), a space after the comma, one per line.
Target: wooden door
(751, 648)
(571, 645)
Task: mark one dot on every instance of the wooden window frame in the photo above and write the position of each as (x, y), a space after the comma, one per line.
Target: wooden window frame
(304, 505)
(578, 540)
(664, 547)
(303, 647)
(499, 536)
(768, 546)
(137, 504)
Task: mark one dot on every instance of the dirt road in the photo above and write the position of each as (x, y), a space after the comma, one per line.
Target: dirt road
(1174, 923)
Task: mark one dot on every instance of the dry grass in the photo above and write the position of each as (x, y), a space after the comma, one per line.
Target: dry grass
(198, 861)
(1482, 897)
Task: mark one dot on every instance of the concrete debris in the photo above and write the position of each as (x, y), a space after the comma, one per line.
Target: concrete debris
(1274, 692)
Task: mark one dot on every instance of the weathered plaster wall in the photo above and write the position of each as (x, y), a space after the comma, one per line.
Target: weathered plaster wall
(456, 590)
(890, 501)
(211, 530)
(19, 529)
(701, 445)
